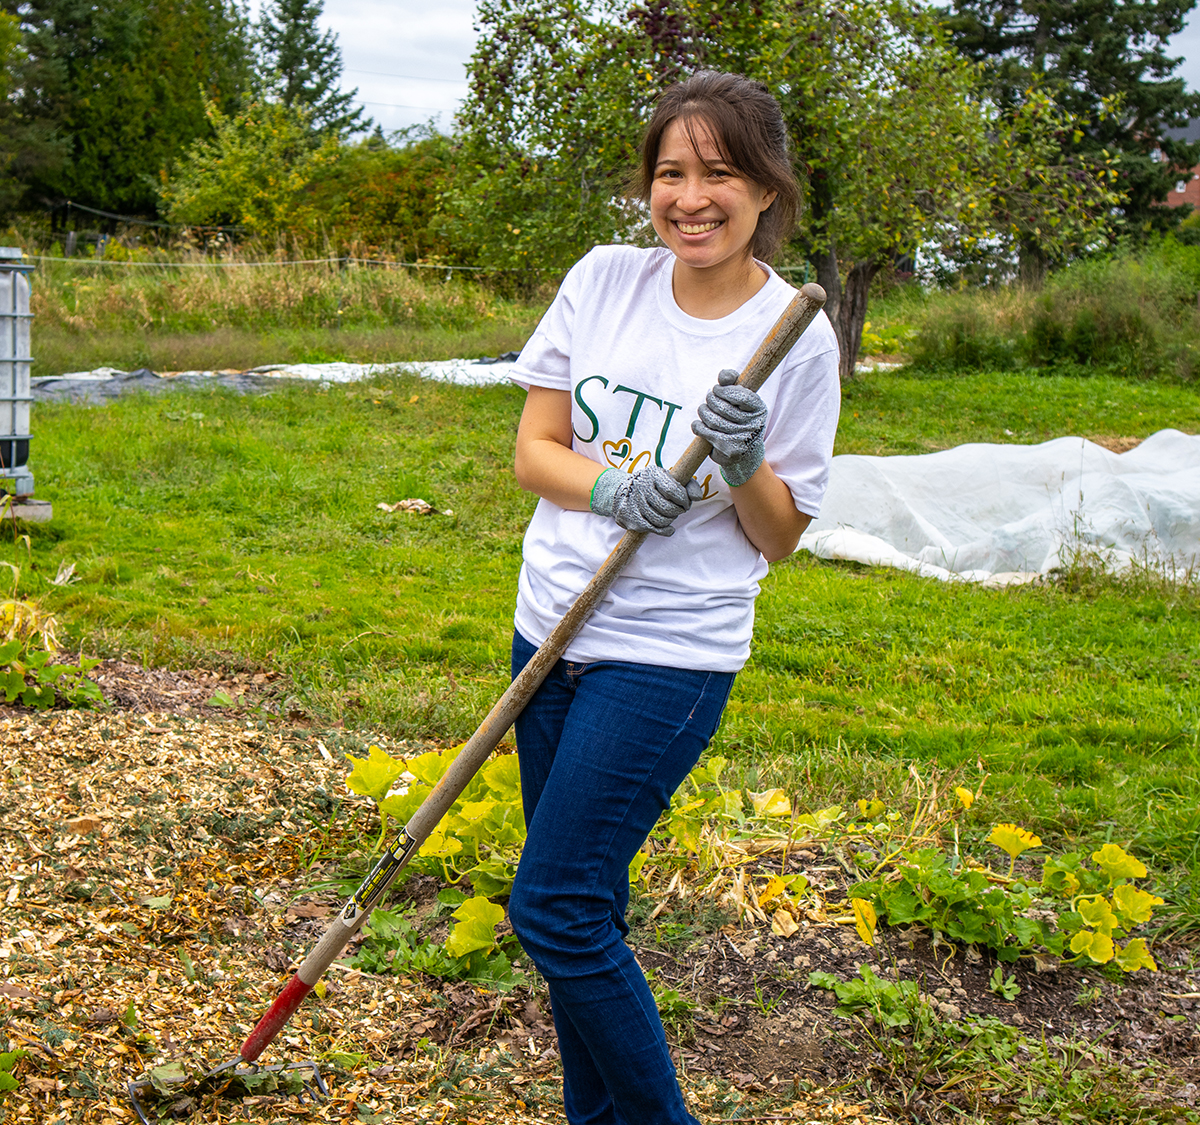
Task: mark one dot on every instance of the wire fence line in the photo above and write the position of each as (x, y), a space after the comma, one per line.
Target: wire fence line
(296, 262)
(133, 220)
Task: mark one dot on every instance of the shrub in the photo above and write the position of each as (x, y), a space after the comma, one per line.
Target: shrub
(1132, 314)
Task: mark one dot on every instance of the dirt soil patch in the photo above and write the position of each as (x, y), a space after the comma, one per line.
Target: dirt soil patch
(164, 872)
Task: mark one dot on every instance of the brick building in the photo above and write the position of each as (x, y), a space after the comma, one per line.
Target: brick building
(1187, 188)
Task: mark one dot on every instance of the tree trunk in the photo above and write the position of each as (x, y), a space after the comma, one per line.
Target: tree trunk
(853, 314)
(846, 309)
(1031, 264)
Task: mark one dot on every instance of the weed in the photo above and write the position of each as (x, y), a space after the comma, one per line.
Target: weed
(887, 1003)
(8, 1062)
(224, 315)
(674, 1009)
(1131, 313)
(28, 646)
(1001, 986)
(393, 944)
(763, 1004)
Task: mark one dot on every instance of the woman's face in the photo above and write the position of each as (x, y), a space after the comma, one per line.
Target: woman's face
(704, 212)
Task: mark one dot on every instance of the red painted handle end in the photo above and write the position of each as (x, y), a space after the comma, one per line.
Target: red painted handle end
(277, 1016)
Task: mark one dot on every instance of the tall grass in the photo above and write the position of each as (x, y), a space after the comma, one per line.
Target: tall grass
(210, 314)
(1132, 313)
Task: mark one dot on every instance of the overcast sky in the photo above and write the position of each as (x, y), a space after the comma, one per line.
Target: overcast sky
(406, 57)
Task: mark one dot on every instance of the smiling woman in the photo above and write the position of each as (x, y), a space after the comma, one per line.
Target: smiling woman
(620, 365)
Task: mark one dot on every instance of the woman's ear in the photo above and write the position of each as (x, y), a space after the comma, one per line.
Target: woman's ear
(768, 199)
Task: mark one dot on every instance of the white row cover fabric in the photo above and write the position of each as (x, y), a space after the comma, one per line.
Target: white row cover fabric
(1001, 514)
(467, 372)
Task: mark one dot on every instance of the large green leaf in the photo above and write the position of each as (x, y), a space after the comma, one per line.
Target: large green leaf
(374, 775)
(476, 928)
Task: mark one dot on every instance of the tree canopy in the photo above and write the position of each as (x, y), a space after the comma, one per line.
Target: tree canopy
(121, 89)
(303, 66)
(1106, 64)
(893, 142)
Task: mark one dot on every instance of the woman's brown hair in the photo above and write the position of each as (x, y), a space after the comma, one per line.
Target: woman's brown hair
(747, 127)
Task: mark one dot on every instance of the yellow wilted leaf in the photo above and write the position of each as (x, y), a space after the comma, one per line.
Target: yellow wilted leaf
(869, 810)
(430, 766)
(1014, 840)
(775, 887)
(771, 802)
(319, 989)
(1117, 863)
(865, 919)
(965, 796)
(1133, 904)
(1097, 946)
(373, 775)
(1097, 913)
(635, 867)
(440, 846)
(1136, 956)
(783, 924)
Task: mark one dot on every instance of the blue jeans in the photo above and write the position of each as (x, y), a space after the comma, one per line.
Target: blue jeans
(602, 747)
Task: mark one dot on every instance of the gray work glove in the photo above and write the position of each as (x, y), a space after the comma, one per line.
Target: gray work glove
(733, 419)
(647, 500)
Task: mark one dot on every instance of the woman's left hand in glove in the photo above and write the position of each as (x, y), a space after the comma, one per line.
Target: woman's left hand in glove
(732, 419)
(647, 500)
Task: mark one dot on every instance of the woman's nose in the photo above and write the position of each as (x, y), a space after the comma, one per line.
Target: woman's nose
(693, 197)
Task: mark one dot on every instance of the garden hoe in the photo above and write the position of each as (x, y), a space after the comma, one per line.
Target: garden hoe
(240, 1072)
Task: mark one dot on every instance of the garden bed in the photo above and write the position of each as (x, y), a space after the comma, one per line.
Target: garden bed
(165, 870)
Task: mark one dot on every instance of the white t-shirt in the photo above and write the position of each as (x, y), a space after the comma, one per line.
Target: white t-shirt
(637, 367)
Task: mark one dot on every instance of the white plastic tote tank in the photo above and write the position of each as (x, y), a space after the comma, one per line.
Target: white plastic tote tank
(15, 359)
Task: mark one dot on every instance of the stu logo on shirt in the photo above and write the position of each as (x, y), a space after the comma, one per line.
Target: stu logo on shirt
(619, 452)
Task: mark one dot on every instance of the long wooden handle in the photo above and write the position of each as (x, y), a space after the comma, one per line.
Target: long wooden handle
(787, 330)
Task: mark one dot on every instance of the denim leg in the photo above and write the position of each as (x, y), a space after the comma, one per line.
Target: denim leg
(626, 741)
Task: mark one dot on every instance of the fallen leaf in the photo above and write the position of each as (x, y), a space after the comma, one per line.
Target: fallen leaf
(82, 825)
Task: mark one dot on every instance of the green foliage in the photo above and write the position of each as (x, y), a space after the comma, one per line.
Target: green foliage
(888, 1003)
(549, 134)
(160, 317)
(481, 836)
(471, 952)
(1005, 987)
(125, 86)
(1133, 313)
(966, 901)
(28, 671)
(255, 172)
(966, 905)
(304, 66)
(674, 1008)
(1084, 55)
(24, 144)
(897, 147)
(385, 197)
(8, 1062)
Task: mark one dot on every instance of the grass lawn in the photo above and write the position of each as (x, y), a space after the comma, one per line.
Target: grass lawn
(208, 529)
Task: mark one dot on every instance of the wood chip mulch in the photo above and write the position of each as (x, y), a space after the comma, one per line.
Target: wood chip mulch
(153, 902)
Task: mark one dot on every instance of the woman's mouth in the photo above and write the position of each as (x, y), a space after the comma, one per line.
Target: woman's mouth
(698, 228)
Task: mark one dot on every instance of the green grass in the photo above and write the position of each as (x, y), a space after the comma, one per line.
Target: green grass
(61, 350)
(905, 412)
(209, 529)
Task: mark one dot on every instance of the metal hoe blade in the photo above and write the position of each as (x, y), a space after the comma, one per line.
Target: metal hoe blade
(221, 1078)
